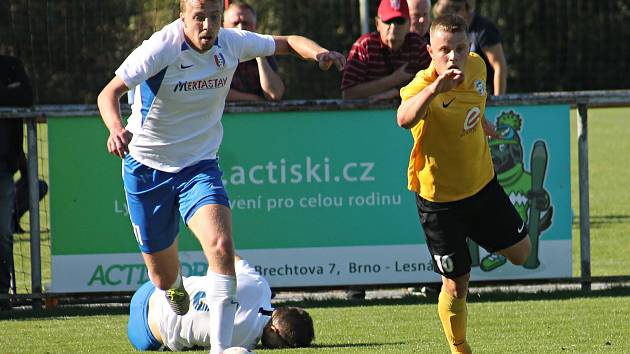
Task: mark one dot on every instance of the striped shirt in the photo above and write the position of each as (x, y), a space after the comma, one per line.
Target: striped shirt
(370, 59)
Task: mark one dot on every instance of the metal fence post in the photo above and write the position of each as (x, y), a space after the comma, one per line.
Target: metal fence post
(364, 14)
(585, 227)
(33, 189)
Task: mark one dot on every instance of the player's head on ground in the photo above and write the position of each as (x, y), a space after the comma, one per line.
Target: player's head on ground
(449, 46)
(202, 21)
(290, 327)
(463, 8)
(240, 15)
(392, 22)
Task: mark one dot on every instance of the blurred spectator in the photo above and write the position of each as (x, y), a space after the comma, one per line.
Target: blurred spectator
(485, 40)
(15, 90)
(22, 200)
(420, 17)
(381, 62)
(256, 79)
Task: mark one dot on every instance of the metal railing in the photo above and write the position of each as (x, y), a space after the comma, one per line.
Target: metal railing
(581, 100)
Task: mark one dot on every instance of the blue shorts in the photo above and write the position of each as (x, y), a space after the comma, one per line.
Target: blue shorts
(155, 199)
(138, 330)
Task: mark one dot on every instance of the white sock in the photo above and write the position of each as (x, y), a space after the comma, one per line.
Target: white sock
(178, 281)
(176, 284)
(221, 299)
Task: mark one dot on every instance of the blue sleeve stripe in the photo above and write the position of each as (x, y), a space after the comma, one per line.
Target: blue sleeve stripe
(148, 91)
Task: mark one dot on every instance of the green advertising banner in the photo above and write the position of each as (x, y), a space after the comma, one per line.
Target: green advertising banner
(318, 199)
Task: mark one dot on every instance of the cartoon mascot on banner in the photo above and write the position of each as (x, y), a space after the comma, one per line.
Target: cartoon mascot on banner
(524, 188)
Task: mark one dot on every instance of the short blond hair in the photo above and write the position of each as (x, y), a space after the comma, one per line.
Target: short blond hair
(182, 4)
(448, 23)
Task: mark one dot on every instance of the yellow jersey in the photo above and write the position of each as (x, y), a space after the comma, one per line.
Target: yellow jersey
(450, 159)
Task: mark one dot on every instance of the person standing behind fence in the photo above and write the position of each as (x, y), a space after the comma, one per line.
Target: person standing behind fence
(15, 91)
(169, 146)
(450, 170)
(381, 62)
(255, 79)
(485, 40)
(420, 17)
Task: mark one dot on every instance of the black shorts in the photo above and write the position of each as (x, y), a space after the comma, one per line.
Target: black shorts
(488, 218)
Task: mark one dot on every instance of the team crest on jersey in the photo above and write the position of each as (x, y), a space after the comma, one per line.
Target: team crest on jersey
(219, 60)
(480, 87)
(472, 118)
(199, 302)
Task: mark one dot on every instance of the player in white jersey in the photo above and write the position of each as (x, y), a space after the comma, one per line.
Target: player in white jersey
(181, 77)
(153, 326)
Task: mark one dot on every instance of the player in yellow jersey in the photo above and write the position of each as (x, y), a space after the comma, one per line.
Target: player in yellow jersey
(451, 171)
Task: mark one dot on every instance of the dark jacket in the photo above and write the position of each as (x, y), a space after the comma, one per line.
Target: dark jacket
(15, 91)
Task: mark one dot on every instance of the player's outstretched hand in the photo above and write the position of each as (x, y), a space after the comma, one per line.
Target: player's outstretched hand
(118, 142)
(448, 80)
(328, 58)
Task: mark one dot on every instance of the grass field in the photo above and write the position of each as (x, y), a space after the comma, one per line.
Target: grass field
(609, 166)
(567, 321)
(556, 322)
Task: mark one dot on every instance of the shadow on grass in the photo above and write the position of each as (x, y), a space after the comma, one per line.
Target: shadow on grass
(599, 221)
(490, 296)
(355, 345)
(65, 311)
(545, 295)
(477, 297)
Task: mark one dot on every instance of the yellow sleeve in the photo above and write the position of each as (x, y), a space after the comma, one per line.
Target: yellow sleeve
(412, 88)
(478, 66)
(422, 79)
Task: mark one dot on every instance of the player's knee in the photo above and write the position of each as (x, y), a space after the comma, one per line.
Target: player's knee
(457, 293)
(518, 259)
(221, 249)
(162, 281)
(520, 254)
(457, 287)
(225, 246)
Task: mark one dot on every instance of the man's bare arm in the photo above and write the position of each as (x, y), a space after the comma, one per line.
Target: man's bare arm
(309, 50)
(496, 59)
(109, 106)
(236, 95)
(270, 82)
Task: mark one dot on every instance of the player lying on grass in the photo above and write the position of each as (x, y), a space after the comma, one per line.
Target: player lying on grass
(154, 326)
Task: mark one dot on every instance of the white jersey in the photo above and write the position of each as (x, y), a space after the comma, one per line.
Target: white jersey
(193, 329)
(180, 94)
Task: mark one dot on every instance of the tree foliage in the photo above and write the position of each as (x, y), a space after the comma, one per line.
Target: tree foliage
(71, 48)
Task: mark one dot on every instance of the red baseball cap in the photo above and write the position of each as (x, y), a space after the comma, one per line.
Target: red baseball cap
(389, 9)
